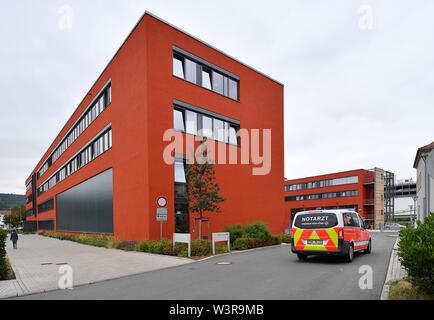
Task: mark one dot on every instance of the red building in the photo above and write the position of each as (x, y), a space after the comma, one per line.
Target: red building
(359, 190)
(105, 170)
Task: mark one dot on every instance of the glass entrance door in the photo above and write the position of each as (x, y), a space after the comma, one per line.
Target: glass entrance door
(181, 216)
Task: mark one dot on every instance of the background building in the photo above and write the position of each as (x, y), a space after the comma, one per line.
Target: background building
(104, 171)
(369, 192)
(425, 182)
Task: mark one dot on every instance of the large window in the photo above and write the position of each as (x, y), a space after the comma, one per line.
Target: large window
(91, 113)
(88, 206)
(46, 205)
(205, 125)
(205, 74)
(96, 147)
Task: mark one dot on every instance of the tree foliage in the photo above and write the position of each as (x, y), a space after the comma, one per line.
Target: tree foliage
(16, 217)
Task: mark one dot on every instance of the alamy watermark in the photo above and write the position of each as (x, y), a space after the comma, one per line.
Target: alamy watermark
(66, 278)
(366, 19)
(66, 15)
(248, 152)
(366, 280)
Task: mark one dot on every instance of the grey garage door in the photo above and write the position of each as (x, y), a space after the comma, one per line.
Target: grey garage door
(88, 206)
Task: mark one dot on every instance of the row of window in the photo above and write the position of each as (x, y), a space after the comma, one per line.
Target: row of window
(326, 195)
(92, 113)
(29, 185)
(97, 147)
(322, 183)
(205, 126)
(29, 198)
(46, 205)
(204, 76)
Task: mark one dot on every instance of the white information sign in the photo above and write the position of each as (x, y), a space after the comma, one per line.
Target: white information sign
(161, 214)
(183, 238)
(218, 237)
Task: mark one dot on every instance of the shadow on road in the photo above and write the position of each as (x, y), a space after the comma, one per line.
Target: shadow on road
(328, 259)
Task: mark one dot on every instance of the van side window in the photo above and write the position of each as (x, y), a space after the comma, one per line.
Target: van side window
(356, 219)
(351, 220)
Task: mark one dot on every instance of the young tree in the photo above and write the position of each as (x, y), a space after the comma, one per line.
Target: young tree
(16, 217)
(202, 190)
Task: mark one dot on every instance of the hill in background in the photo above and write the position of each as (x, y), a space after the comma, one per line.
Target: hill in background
(7, 201)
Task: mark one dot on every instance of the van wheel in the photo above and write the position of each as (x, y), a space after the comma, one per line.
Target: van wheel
(368, 249)
(350, 255)
(301, 256)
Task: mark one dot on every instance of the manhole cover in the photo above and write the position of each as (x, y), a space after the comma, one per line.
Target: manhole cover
(61, 264)
(46, 263)
(224, 263)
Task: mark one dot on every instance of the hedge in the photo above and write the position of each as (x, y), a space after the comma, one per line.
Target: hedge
(258, 230)
(4, 267)
(252, 235)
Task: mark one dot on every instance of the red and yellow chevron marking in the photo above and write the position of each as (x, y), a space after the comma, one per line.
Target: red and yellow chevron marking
(330, 234)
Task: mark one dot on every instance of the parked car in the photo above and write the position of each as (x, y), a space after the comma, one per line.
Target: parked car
(329, 232)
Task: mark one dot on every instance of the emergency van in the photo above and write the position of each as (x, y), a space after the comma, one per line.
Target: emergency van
(329, 232)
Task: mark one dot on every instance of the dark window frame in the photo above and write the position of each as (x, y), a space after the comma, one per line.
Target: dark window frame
(202, 64)
(200, 113)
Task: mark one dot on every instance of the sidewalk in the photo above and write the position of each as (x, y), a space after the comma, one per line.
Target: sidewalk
(395, 272)
(37, 261)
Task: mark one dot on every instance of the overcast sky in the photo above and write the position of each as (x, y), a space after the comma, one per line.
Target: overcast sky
(358, 75)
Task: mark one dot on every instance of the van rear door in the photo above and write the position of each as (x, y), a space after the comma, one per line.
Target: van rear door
(316, 231)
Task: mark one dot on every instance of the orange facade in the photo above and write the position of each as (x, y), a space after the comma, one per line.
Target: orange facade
(143, 89)
(343, 190)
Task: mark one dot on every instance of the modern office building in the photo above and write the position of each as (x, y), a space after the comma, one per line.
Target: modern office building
(423, 162)
(369, 192)
(107, 168)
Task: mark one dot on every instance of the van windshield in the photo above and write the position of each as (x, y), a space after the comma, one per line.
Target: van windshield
(316, 220)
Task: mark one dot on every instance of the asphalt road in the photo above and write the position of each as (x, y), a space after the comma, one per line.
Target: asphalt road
(266, 273)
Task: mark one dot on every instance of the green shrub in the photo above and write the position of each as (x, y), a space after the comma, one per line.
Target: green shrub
(126, 245)
(221, 247)
(4, 268)
(112, 243)
(142, 246)
(178, 250)
(284, 238)
(157, 246)
(257, 230)
(97, 241)
(243, 244)
(201, 247)
(416, 253)
(236, 231)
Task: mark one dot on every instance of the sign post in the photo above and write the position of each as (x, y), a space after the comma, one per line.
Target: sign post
(161, 213)
(220, 236)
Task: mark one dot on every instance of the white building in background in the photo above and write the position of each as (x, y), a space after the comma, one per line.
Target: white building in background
(424, 163)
